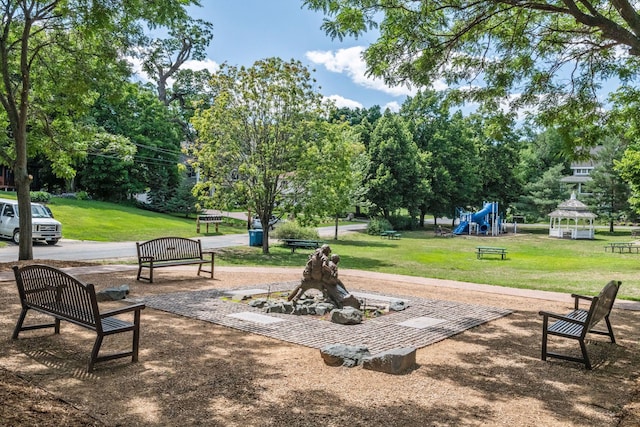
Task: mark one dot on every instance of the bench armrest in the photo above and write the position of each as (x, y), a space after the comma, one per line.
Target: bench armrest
(212, 253)
(134, 307)
(577, 299)
(547, 314)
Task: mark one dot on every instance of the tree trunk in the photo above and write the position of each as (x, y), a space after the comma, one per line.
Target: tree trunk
(335, 236)
(23, 187)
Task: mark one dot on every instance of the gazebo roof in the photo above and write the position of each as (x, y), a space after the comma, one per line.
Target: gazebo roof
(573, 209)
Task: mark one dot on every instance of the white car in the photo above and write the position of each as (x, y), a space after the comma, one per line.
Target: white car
(45, 228)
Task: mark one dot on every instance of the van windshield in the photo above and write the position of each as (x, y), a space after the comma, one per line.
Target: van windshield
(37, 211)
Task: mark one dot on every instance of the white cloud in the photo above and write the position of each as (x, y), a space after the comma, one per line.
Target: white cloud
(342, 102)
(393, 106)
(349, 61)
(207, 64)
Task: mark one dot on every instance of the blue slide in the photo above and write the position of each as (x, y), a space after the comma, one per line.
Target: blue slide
(478, 218)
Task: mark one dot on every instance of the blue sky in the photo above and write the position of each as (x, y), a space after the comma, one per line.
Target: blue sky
(245, 31)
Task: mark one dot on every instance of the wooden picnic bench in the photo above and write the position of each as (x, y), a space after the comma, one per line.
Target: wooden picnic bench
(484, 250)
(208, 219)
(623, 247)
(579, 322)
(171, 252)
(301, 244)
(390, 234)
(50, 291)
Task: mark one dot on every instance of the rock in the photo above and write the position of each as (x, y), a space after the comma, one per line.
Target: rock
(274, 307)
(323, 307)
(258, 303)
(395, 361)
(113, 294)
(398, 305)
(346, 316)
(344, 355)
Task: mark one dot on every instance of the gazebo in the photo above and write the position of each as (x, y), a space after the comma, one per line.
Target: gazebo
(572, 219)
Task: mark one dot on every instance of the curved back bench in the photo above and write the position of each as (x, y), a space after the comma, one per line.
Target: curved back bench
(580, 322)
(53, 292)
(170, 252)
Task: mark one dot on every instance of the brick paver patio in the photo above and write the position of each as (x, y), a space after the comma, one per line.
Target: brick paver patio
(424, 322)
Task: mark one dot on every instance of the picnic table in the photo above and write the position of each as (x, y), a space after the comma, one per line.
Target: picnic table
(301, 243)
(622, 247)
(484, 250)
(390, 234)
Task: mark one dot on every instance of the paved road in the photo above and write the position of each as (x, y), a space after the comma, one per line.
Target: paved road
(78, 250)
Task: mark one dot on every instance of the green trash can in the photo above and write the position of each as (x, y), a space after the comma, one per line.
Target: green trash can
(255, 237)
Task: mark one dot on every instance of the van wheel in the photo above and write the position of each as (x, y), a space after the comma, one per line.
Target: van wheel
(52, 242)
(16, 237)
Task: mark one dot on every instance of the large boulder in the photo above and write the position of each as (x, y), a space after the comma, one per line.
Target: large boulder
(344, 355)
(346, 316)
(395, 361)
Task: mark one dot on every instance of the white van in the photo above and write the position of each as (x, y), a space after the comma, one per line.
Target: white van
(45, 228)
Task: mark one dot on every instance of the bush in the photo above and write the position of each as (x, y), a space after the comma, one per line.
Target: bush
(40, 196)
(378, 225)
(293, 230)
(402, 223)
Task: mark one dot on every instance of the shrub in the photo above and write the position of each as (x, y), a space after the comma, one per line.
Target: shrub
(378, 225)
(40, 196)
(293, 230)
(402, 223)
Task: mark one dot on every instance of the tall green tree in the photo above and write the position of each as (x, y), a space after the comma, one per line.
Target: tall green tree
(134, 113)
(542, 196)
(52, 53)
(398, 172)
(447, 138)
(331, 173)
(609, 192)
(255, 133)
(552, 54)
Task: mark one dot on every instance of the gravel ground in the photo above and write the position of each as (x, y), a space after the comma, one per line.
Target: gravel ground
(197, 373)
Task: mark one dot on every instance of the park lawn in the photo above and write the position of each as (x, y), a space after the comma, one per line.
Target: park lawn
(109, 222)
(534, 260)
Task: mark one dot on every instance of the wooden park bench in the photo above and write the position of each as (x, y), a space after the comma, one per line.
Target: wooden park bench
(484, 250)
(579, 322)
(301, 244)
(50, 291)
(171, 252)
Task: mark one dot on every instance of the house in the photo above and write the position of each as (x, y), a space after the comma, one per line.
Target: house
(581, 171)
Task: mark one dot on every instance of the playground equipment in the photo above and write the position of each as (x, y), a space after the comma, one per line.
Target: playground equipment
(484, 221)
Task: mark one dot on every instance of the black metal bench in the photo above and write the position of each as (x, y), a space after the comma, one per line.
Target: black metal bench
(171, 252)
(579, 322)
(50, 291)
(301, 244)
(484, 250)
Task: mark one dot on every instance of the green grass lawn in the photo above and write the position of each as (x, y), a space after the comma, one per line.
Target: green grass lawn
(102, 222)
(534, 260)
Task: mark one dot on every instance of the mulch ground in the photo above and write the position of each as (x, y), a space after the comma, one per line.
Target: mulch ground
(196, 373)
